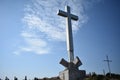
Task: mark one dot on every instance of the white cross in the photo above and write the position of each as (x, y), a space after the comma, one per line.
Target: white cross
(69, 16)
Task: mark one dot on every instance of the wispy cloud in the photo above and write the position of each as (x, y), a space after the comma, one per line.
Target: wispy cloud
(33, 44)
(51, 31)
(42, 24)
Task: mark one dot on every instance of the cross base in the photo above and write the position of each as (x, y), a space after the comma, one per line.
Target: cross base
(72, 71)
(72, 74)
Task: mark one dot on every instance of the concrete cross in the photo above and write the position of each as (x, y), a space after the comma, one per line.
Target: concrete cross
(69, 16)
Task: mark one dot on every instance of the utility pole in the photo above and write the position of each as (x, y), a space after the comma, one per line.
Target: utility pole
(108, 63)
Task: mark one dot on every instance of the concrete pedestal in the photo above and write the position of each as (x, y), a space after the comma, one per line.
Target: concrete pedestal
(72, 74)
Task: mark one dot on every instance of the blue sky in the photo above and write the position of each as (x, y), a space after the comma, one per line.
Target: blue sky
(33, 38)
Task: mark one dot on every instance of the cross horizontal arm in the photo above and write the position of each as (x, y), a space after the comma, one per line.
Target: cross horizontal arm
(62, 13)
(74, 17)
(108, 60)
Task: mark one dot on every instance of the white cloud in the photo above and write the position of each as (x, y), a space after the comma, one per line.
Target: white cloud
(27, 35)
(43, 24)
(34, 43)
(16, 52)
(49, 30)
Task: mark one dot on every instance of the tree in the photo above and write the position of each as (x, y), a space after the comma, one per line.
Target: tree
(36, 78)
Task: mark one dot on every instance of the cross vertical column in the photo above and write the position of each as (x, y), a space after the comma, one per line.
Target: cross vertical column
(69, 36)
